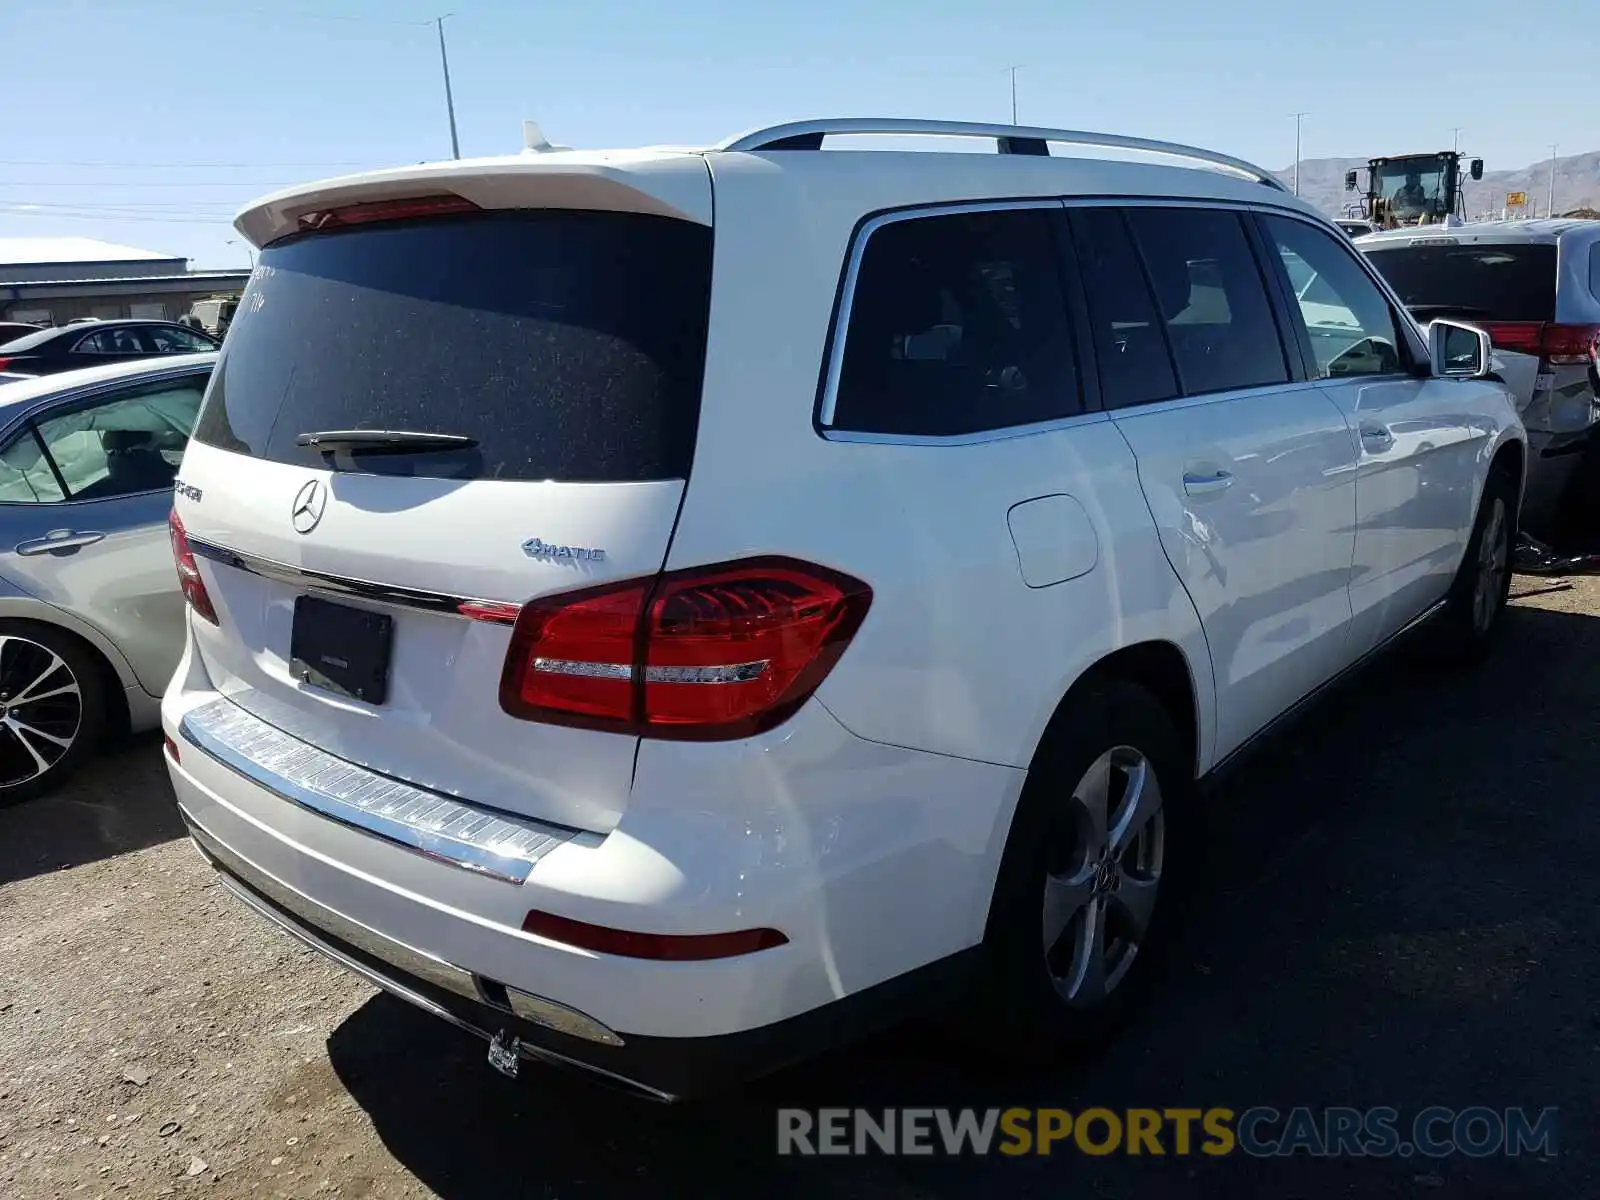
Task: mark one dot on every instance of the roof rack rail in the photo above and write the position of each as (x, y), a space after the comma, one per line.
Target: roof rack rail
(1011, 139)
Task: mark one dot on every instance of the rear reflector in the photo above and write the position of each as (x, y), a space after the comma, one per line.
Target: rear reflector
(4, 363)
(664, 947)
(1557, 344)
(189, 580)
(706, 654)
(372, 211)
(172, 750)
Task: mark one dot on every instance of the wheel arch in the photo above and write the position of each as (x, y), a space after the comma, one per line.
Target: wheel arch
(1512, 458)
(1162, 669)
(115, 673)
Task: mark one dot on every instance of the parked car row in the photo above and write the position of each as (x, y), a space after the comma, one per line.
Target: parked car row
(96, 343)
(695, 605)
(1534, 287)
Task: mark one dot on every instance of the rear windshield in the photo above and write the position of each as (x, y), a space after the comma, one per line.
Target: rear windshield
(1490, 282)
(29, 341)
(568, 345)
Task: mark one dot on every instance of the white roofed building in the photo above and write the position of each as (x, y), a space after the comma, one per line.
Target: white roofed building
(53, 280)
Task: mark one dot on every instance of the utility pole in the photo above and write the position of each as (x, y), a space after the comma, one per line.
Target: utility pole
(1298, 117)
(1550, 200)
(449, 100)
(1013, 71)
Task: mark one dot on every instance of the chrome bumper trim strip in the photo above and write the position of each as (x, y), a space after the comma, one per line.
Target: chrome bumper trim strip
(344, 585)
(465, 835)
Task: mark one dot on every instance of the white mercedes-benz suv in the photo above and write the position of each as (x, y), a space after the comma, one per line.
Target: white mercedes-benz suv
(668, 610)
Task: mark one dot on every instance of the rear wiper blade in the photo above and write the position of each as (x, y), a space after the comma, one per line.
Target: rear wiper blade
(383, 441)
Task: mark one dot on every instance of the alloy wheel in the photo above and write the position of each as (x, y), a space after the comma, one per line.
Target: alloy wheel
(41, 709)
(1103, 876)
(1494, 554)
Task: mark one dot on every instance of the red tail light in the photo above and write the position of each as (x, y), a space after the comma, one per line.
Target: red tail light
(1559, 345)
(4, 363)
(194, 588)
(665, 947)
(706, 654)
(370, 211)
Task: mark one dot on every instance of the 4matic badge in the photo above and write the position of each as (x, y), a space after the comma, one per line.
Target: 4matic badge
(534, 548)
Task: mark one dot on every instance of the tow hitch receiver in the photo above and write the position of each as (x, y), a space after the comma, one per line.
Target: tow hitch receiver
(505, 1054)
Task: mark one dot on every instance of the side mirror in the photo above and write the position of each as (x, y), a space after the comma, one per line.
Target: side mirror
(1476, 169)
(1350, 180)
(1458, 351)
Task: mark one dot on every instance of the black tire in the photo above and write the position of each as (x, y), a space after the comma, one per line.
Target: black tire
(38, 660)
(1465, 631)
(1022, 1010)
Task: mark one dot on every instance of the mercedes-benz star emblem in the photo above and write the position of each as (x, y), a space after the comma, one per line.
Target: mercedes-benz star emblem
(309, 502)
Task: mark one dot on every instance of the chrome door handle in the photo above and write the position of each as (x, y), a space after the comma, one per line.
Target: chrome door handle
(1376, 437)
(59, 539)
(1204, 485)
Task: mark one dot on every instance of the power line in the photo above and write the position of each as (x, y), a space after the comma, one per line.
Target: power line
(45, 185)
(198, 165)
(103, 218)
(302, 15)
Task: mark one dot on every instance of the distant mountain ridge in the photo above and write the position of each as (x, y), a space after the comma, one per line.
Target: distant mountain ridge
(1577, 184)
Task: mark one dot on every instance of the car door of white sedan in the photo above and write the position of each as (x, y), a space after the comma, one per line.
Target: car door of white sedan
(1420, 440)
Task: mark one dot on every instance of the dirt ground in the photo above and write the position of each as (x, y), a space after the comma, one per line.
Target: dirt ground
(1401, 909)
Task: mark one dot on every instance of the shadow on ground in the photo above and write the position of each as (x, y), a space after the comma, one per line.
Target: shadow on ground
(1398, 909)
(119, 801)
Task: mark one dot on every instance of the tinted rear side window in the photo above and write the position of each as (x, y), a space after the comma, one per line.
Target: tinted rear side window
(957, 325)
(1512, 282)
(569, 345)
(1212, 296)
(1135, 367)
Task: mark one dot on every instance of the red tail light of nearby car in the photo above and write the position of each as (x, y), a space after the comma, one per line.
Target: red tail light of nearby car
(4, 363)
(1557, 344)
(705, 654)
(194, 587)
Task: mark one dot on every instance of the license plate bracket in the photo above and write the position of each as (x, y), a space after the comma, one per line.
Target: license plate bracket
(341, 649)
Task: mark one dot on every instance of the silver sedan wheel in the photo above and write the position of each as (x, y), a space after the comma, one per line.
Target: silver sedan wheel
(1494, 555)
(1100, 891)
(41, 709)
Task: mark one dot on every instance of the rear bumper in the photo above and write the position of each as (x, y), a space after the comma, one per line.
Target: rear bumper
(656, 1068)
(877, 864)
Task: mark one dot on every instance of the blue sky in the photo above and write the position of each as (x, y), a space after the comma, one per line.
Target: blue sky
(189, 108)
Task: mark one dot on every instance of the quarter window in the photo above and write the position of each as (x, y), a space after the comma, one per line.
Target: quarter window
(958, 324)
(1210, 292)
(25, 474)
(168, 340)
(1348, 321)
